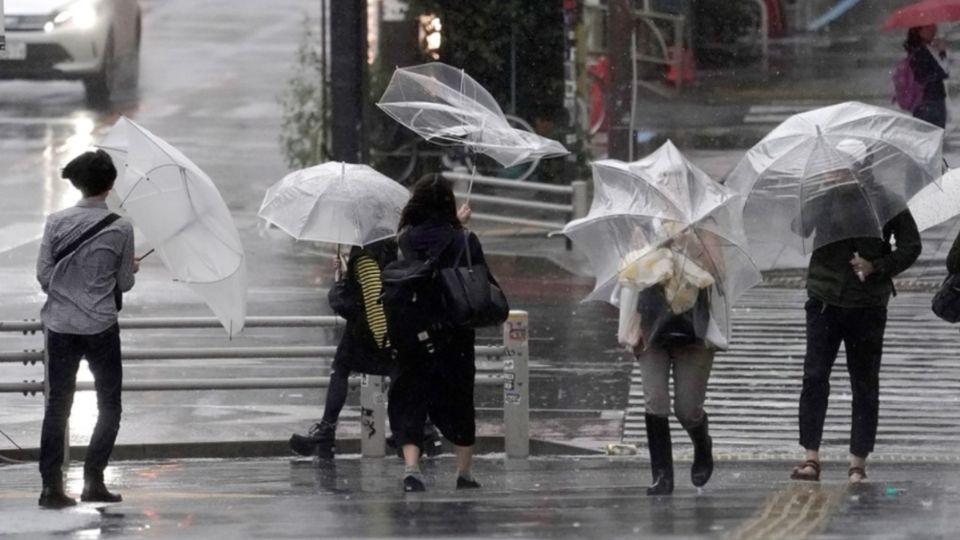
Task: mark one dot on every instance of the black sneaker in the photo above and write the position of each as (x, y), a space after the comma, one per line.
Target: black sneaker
(319, 441)
(412, 484)
(464, 483)
(55, 499)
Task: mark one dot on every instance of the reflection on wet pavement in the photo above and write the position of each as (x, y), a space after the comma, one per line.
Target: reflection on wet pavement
(537, 498)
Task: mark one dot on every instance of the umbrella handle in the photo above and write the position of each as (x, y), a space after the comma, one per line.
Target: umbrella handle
(144, 256)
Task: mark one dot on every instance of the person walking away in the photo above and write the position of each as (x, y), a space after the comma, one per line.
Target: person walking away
(436, 376)
(364, 347)
(672, 335)
(86, 260)
(928, 59)
(849, 284)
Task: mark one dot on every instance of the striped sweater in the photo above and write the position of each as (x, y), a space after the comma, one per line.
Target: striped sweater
(367, 273)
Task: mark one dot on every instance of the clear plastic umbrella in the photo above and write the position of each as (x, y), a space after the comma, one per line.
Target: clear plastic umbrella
(178, 209)
(664, 229)
(830, 174)
(341, 203)
(446, 106)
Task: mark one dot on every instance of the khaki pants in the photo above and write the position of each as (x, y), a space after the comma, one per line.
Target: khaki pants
(691, 370)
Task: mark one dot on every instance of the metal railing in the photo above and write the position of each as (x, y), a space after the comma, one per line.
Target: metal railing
(577, 192)
(513, 377)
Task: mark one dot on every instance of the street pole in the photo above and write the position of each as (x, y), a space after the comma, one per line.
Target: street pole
(348, 62)
(621, 30)
(571, 17)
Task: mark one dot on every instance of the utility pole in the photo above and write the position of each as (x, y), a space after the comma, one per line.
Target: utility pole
(348, 63)
(620, 35)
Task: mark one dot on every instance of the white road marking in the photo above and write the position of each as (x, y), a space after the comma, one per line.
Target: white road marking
(19, 234)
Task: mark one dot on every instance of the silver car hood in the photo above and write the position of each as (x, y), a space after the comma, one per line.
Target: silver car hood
(32, 7)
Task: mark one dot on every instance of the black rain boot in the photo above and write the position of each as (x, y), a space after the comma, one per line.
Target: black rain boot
(54, 498)
(661, 455)
(320, 441)
(702, 467)
(94, 490)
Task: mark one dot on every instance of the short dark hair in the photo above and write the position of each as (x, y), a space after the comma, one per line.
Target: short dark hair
(93, 173)
(432, 199)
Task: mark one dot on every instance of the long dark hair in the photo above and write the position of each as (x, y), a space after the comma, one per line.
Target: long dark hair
(432, 200)
(913, 42)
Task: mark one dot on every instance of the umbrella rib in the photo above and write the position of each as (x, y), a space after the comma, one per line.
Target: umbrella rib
(144, 177)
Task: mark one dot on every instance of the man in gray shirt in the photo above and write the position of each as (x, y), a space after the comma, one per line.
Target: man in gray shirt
(83, 275)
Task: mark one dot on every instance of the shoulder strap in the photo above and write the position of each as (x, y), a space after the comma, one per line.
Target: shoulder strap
(88, 234)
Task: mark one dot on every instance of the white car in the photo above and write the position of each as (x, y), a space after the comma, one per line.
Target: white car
(96, 41)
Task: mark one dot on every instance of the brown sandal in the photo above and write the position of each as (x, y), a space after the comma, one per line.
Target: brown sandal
(799, 474)
(856, 470)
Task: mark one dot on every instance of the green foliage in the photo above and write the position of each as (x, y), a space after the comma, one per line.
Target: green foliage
(305, 118)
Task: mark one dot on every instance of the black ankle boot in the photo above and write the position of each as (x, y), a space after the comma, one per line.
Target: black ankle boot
(319, 441)
(702, 467)
(95, 491)
(661, 455)
(54, 498)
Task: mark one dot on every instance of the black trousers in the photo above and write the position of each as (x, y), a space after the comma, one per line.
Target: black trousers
(861, 332)
(439, 384)
(102, 352)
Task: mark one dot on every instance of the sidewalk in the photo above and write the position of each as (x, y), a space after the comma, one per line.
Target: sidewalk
(536, 498)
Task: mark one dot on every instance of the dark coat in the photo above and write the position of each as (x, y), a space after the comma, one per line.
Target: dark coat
(927, 71)
(356, 350)
(831, 279)
(419, 242)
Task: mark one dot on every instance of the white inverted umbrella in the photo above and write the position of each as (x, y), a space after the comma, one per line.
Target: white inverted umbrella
(340, 203)
(663, 221)
(444, 105)
(182, 214)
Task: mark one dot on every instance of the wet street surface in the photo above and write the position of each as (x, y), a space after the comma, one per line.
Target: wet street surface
(539, 498)
(211, 76)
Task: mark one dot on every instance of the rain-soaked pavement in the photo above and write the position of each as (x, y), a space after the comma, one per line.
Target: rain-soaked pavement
(537, 498)
(211, 74)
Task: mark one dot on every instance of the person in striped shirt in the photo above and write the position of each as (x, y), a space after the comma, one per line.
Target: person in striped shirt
(364, 348)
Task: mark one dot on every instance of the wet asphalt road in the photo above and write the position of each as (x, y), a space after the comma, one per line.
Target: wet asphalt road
(537, 498)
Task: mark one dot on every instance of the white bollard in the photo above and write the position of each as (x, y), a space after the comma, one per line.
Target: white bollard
(516, 385)
(373, 414)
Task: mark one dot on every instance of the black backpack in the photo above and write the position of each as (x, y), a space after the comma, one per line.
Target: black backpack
(410, 299)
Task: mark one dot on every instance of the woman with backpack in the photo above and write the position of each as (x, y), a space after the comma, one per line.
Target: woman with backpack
(928, 61)
(437, 370)
(364, 347)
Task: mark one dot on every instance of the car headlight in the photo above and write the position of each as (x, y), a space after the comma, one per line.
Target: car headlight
(81, 14)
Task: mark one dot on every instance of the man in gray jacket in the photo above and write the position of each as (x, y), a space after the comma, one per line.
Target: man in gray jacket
(86, 261)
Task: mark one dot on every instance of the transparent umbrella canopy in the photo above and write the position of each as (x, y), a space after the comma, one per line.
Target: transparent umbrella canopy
(835, 173)
(663, 221)
(179, 210)
(444, 105)
(340, 203)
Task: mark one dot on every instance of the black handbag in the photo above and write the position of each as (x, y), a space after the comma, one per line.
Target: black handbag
(946, 303)
(471, 296)
(344, 297)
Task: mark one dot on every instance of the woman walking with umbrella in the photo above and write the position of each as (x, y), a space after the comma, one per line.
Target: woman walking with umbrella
(667, 245)
(928, 61)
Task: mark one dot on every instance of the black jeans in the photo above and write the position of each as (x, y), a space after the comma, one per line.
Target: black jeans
(102, 352)
(861, 332)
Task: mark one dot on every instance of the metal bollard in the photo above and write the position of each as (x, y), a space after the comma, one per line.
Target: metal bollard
(581, 199)
(373, 413)
(516, 385)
